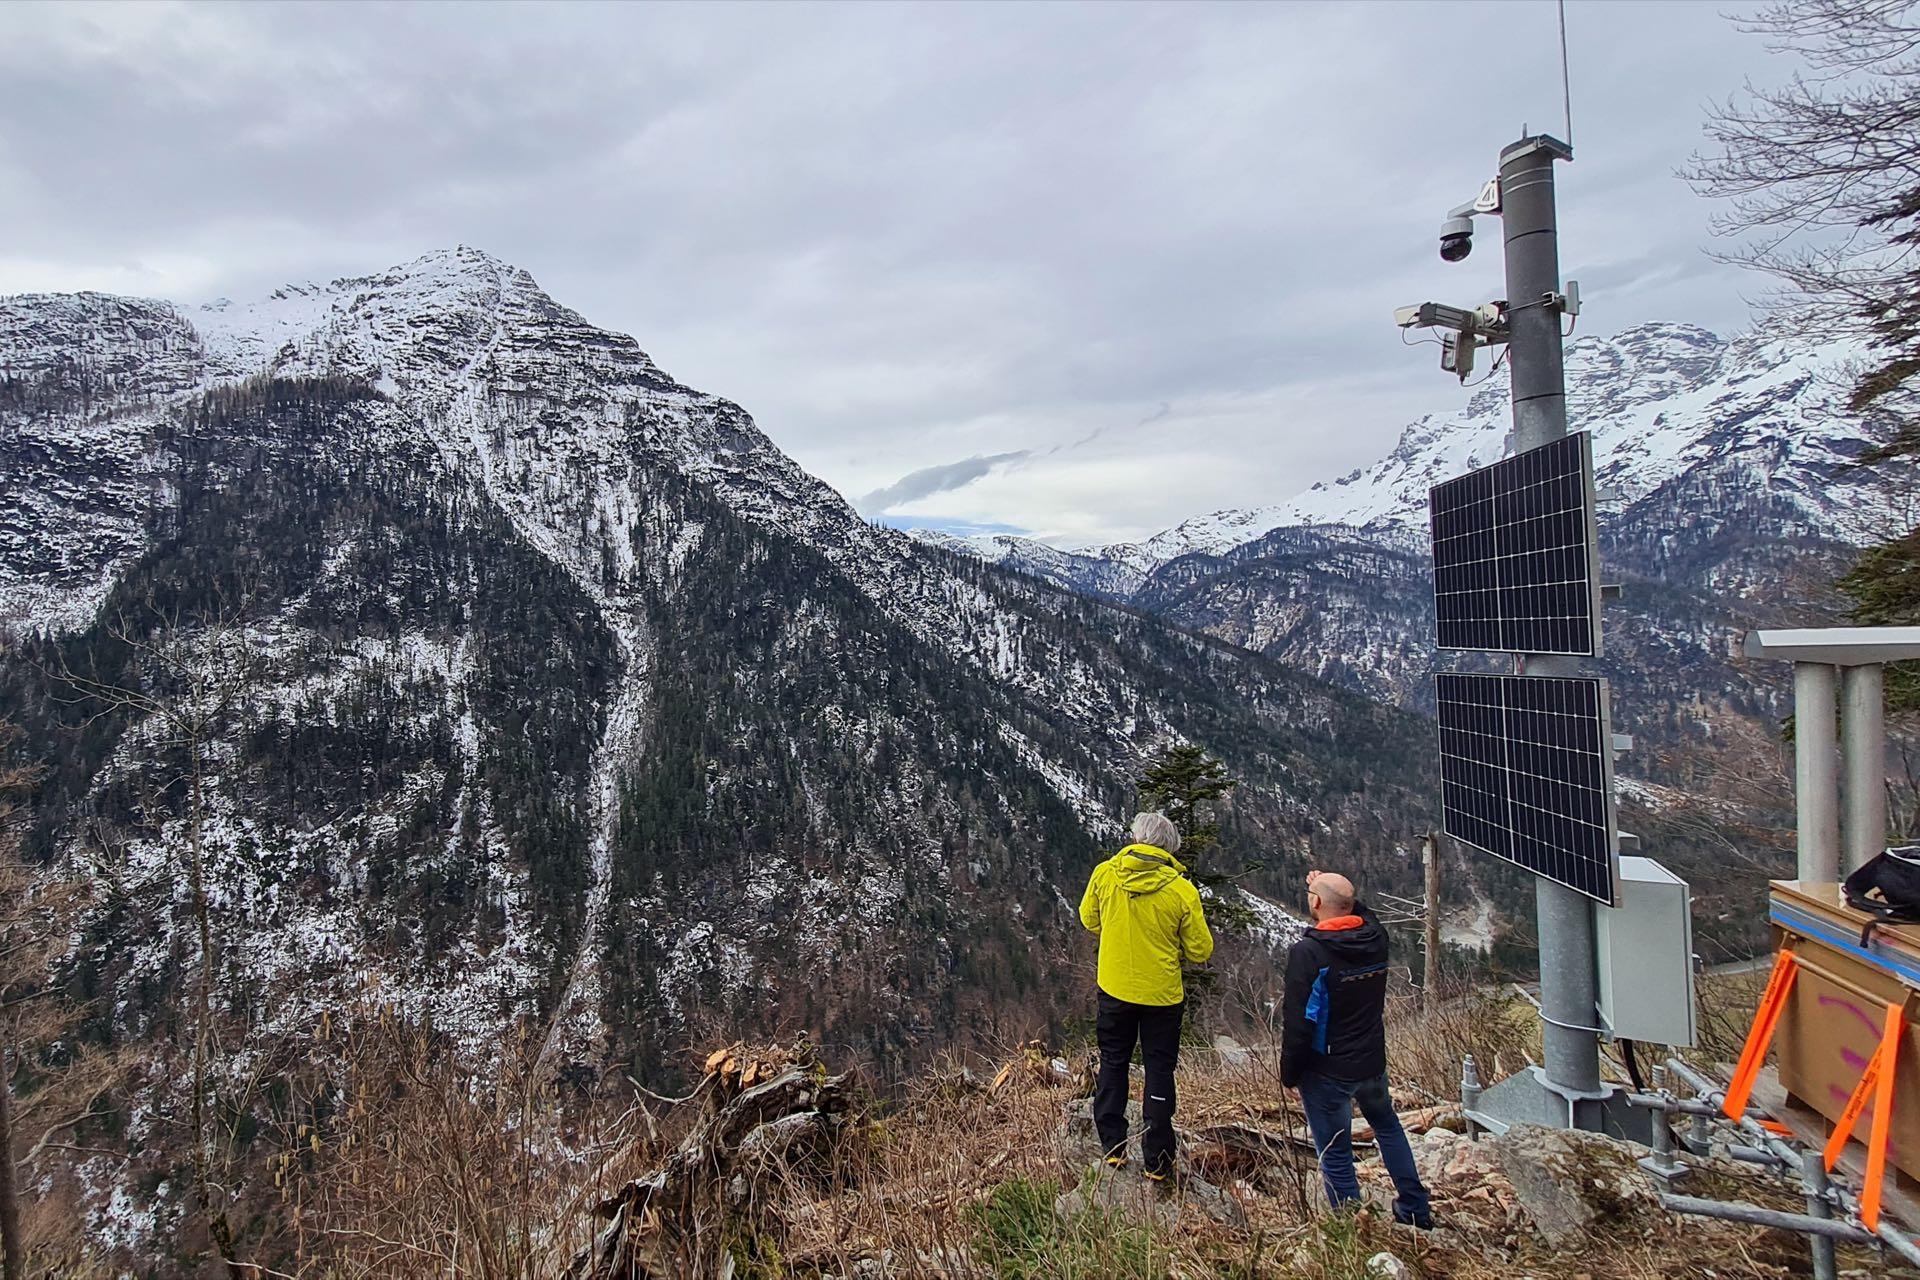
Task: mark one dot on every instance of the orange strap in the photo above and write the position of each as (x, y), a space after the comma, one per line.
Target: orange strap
(1876, 1082)
(1760, 1035)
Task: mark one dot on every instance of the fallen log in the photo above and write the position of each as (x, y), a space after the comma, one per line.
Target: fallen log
(673, 1222)
(1256, 1140)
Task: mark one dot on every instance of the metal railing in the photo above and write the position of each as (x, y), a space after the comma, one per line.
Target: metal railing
(1829, 1203)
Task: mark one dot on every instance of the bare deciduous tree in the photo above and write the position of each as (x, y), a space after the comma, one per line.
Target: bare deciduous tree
(182, 685)
(1811, 169)
(1822, 182)
(58, 1091)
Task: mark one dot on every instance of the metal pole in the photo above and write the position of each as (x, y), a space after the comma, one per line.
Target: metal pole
(1863, 757)
(1816, 781)
(1430, 980)
(1733, 1211)
(1813, 1172)
(1470, 1095)
(1705, 1090)
(1529, 223)
(1568, 987)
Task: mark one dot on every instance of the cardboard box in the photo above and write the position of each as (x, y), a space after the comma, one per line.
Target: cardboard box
(1833, 1022)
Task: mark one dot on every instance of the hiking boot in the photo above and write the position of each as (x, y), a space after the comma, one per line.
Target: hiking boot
(1419, 1222)
(1116, 1162)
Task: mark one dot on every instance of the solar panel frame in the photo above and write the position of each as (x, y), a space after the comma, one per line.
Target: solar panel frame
(1526, 775)
(1516, 553)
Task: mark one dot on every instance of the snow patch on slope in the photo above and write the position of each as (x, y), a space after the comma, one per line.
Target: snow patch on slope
(1658, 400)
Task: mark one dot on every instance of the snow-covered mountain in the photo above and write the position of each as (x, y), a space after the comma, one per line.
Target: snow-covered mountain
(1730, 499)
(568, 699)
(1666, 404)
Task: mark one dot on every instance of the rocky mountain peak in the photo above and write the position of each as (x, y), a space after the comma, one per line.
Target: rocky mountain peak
(97, 340)
(437, 314)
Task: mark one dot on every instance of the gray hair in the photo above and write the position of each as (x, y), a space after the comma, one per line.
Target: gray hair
(1157, 830)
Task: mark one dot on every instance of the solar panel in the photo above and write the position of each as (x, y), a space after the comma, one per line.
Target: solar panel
(1526, 774)
(1514, 550)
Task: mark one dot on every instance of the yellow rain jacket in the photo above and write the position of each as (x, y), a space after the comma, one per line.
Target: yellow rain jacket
(1148, 916)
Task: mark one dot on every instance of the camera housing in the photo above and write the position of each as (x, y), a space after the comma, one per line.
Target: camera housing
(1456, 238)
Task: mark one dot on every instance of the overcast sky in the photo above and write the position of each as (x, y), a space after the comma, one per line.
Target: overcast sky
(1079, 270)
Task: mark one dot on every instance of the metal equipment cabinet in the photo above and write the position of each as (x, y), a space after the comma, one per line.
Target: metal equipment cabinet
(1645, 948)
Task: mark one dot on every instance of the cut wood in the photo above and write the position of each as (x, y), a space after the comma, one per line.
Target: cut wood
(666, 1223)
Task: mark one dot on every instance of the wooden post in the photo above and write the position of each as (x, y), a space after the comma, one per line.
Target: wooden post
(1430, 849)
(13, 1250)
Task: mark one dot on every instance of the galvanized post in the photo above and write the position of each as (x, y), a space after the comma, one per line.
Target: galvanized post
(1863, 753)
(1813, 1174)
(1816, 782)
(1699, 1139)
(1430, 977)
(1529, 223)
(1470, 1095)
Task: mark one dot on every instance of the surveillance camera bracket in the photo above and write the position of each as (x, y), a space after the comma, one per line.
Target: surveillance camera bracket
(1466, 330)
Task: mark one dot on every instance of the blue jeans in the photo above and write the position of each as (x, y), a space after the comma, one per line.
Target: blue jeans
(1329, 1106)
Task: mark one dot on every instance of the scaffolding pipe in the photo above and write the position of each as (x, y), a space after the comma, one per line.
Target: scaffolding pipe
(1662, 1164)
(1816, 782)
(1715, 1095)
(1754, 1155)
(1813, 1172)
(1897, 1241)
(1863, 759)
(1701, 1111)
(1735, 1211)
(1699, 1140)
(1888, 1233)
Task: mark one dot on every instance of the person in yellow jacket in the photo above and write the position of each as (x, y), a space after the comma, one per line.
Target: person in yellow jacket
(1149, 919)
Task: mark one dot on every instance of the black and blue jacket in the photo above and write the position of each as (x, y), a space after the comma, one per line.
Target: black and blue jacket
(1336, 996)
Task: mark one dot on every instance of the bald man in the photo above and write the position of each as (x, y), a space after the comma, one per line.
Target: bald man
(1333, 1044)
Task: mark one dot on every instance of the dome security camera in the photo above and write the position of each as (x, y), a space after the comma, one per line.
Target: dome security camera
(1456, 238)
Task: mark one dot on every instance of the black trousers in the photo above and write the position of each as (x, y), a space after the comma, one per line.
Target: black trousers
(1156, 1027)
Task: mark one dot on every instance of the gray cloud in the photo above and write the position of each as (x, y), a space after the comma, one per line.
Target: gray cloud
(941, 478)
(898, 234)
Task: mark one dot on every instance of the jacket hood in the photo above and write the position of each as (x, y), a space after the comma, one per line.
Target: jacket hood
(1143, 868)
(1350, 942)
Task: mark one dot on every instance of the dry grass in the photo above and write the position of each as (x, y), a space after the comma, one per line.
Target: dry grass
(380, 1154)
(959, 1182)
(396, 1161)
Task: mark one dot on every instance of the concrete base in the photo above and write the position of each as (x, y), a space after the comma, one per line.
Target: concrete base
(1527, 1097)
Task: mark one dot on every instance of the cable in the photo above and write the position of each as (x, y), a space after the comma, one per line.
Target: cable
(1628, 1056)
(1572, 1026)
(1491, 369)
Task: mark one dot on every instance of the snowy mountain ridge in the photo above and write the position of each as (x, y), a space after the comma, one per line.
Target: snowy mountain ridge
(672, 715)
(1660, 401)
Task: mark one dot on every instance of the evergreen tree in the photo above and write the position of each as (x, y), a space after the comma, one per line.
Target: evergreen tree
(1186, 784)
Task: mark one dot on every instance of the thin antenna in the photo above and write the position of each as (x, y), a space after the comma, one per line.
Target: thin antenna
(1566, 84)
